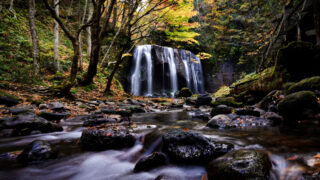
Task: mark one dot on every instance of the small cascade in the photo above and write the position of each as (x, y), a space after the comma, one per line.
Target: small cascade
(162, 71)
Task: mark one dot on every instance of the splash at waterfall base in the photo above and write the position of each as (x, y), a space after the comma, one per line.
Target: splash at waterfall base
(161, 71)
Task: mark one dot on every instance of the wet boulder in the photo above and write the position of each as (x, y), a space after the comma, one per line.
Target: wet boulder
(29, 123)
(188, 147)
(56, 106)
(220, 121)
(18, 110)
(123, 113)
(99, 118)
(191, 101)
(8, 99)
(37, 151)
(299, 106)
(236, 121)
(274, 117)
(53, 116)
(241, 165)
(221, 109)
(203, 99)
(184, 92)
(150, 162)
(107, 137)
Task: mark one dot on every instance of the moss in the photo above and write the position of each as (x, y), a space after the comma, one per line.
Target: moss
(310, 84)
(229, 101)
(184, 92)
(222, 92)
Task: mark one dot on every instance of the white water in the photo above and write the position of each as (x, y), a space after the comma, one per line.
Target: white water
(173, 70)
(143, 76)
(186, 61)
(135, 78)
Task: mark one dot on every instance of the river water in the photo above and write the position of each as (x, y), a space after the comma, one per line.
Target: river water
(74, 163)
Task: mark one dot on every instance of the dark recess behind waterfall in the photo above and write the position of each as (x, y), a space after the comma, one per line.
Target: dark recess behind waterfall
(216, 73)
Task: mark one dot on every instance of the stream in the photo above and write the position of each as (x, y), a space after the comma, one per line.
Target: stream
(300, 145)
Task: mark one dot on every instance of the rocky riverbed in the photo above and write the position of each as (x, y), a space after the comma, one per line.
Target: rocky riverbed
(155, 139)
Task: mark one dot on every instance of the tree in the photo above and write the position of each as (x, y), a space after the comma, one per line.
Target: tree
(34, 37)
(64, 89)
(99, 29)
(56, 38)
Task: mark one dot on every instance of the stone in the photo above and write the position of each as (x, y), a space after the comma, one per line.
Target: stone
(220, 121)
(184, 92)
(52, 116)
(18, 110)
(191, 101)
(274, 117)
(308, 84)
(150, 162)
(106, 137)
(56, 106)
(124, 113)
(299, 106)
(203, 99)
(99, 118)
(188, 147)
(247, 111)
(221, 109)
(8, 99)
(43, 106)
(25, 124)
(36, 152)
(241, 165)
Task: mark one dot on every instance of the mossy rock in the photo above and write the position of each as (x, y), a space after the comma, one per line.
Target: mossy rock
(241, 165)
(229, 101)
(8, 99)
(299, 106)
(310, 84)
(184, 92)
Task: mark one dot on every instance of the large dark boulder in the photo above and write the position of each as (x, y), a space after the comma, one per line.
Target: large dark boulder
(53, 116)
(203, 99)
(308, 84)
(221, 109)
(247, 111)
(220, 121)
(299, 106)
(108, 137)
(28, 123)
(240, 165)
(98, 119)
(189, 147)
(37, 151)
(8, 99)
(150, 162)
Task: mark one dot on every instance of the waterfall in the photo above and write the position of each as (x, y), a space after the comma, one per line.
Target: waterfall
(173, 70)
(186, 60)
(162, 71)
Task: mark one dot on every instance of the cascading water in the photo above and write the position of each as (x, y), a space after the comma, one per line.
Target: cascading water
(169, 54)
(158, 70)
(186, 62)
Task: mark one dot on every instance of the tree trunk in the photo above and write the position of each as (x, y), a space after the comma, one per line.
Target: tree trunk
(115, 69)
(80, 39)
(56, 38)
(11, 8)
(89, 31)
(316, 15)
(34, 37)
